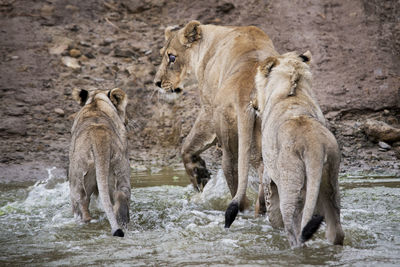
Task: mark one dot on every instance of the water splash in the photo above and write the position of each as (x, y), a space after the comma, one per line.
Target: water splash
(174, 226)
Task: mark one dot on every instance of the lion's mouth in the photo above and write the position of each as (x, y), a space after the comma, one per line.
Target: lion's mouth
(176, 90)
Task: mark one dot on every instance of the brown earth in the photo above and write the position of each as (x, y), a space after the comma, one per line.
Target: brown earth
(115, 43)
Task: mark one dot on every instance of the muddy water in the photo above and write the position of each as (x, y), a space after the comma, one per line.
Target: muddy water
(173, 226)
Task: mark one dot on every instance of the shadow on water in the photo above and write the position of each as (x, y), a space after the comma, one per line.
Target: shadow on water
(171, 225)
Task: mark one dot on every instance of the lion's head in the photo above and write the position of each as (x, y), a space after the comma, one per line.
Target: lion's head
(116, 96)
(175, 57)
(282, 72)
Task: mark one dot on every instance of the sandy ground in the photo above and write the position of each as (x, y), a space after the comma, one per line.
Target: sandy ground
(49, 47)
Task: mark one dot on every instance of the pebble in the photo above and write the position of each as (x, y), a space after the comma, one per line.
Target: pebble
(131, 70)
(384, 145)
(70, 62)
(105, 50)
(85, 44)
(123, 53)
(107, 41)
(83, 58)
(89, 55)
(59, 111)
(72, 8)
(46, 11)
(74, 53)
(58, 49)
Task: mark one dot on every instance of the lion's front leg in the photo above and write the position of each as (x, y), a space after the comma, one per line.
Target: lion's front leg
(201, 137)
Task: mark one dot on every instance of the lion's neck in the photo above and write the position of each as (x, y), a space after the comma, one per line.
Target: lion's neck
(204, 54)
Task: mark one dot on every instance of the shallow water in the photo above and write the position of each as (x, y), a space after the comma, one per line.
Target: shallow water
(171, 225)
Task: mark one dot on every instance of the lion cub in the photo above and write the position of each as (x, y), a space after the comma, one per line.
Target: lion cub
(301, 156)
(98, 156)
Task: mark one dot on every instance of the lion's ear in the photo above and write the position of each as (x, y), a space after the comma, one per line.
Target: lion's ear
(169, 30)
(306, 57)
(80, 95)
(267, 65)
(118, 98)
(190, 33)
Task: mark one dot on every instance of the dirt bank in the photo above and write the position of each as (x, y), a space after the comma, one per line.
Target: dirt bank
(49, 47)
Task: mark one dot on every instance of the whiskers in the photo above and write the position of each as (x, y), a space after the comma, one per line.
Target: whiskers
(164, 96)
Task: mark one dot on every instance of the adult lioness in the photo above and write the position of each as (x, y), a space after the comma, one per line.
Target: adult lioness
(224, 62)
(301, 156)
(99, 156)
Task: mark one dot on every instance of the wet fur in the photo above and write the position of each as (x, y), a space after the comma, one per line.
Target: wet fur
(223, 60)
(301, 156)
(98, 156)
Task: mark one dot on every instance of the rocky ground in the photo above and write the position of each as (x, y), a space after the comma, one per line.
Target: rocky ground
(49, 47)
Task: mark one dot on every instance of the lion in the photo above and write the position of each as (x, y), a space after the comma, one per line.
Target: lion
(223, 60)
(98, 155)
(301, 156)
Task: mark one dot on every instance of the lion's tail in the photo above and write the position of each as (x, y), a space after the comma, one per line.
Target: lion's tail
(314, 171)
(102, 153)
(246, 120)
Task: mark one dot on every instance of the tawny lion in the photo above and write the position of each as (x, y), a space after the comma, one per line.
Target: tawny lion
(98, 156)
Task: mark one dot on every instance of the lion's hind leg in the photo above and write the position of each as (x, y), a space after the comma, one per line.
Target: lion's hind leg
(330, 202)
(82, 186)
(272, 205)
(80, 203)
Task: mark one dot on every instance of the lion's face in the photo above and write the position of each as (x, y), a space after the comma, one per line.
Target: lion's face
(175, 57)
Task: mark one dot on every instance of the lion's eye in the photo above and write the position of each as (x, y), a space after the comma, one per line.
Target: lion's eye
(171, 57)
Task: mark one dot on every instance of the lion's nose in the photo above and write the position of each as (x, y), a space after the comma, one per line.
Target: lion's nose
(158, 83)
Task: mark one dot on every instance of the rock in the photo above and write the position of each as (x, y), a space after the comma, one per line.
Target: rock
(72, 28)
(89, 55)
(107, 41)
(71, 62)
(124, 53)
(135, 6)
(105, 50)
(13, 125)
(60, 44)
(58, 49)
(83, 58)
(131, 70)
(74, 53)
(72, 8)
(46, 11)
(380, 131)
(59, 111)
(225, 8)
(384, 145)
(85, 44)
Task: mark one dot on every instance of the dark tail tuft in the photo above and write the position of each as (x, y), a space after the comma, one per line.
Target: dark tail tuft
(119, 233)
(230, 213)
(311, 227)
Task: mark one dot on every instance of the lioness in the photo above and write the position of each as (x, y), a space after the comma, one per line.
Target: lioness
(98, 156)
(301, 156)
(224, 61)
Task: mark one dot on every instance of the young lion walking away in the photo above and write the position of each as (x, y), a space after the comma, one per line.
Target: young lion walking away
(98, 156)
(301, 156)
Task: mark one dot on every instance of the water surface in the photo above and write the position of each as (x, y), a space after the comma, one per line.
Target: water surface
(171, 225)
